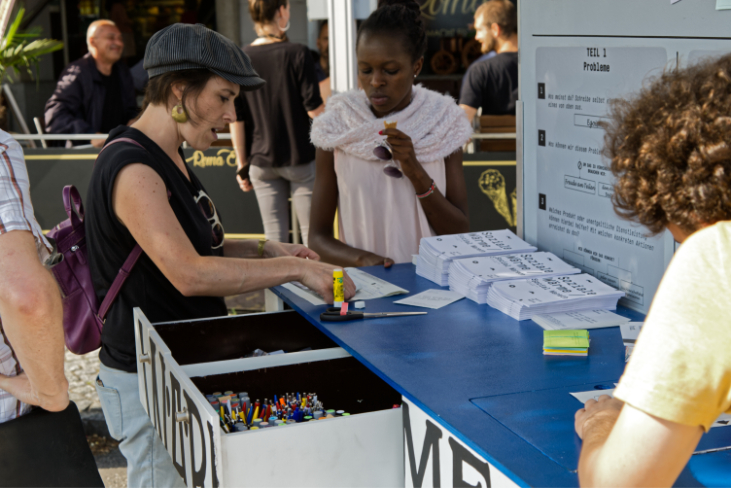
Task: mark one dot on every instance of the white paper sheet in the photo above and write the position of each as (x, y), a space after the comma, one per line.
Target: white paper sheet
(586, 319)
(367, 286)
(584, 396)
(434, 299)
(630, 332)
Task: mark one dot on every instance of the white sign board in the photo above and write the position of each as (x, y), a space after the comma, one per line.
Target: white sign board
(575, 216)
(435, 457)
(574, 58)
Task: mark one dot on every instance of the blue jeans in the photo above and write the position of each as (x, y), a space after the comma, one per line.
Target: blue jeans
(148, 463)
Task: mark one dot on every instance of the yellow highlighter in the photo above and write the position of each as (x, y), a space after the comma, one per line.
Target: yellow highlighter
(338, 288)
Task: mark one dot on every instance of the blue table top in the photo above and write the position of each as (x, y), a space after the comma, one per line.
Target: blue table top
(463, 360)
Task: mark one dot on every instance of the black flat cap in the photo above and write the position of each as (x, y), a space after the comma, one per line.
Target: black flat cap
(186, 46)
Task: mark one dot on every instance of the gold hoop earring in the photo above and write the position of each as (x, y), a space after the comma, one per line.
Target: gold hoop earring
(179, 115)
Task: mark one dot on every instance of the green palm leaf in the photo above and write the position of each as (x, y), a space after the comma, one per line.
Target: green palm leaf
(21, 50)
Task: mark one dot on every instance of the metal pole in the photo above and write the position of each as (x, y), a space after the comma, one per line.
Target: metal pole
(16, 111)
(342, 45)
(295, 223)
(223, 137)
(64, 34)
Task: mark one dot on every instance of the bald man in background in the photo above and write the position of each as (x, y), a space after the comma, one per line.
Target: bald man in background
(96, 93)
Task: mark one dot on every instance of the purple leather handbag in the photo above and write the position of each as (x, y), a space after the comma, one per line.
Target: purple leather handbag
(83, 317)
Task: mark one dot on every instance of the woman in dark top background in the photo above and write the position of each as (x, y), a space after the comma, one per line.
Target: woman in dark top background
(142, 192)
(272, 132)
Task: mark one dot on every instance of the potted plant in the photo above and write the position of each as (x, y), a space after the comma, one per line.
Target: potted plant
(22, 50)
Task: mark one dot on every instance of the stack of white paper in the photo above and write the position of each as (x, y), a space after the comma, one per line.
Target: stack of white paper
(586, 319)
(472, 277)
(521, 299)
(630, 332)
(436, 253)
(367, 287)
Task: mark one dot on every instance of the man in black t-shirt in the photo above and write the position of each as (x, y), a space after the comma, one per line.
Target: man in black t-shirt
(493, 83)
(96, 93)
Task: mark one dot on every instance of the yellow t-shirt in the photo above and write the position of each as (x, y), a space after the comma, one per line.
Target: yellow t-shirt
(680, 369)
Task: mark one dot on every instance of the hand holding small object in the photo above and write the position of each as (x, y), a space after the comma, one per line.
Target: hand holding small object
(402, 149)
(607, 407)
(318, 277)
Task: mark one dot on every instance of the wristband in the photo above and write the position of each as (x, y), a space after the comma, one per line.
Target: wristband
(260, 248)
(428, 192)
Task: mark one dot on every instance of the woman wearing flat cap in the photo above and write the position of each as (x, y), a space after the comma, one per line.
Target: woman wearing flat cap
(142, 192)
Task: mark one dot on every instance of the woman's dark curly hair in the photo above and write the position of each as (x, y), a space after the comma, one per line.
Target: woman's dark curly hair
(398, 18)
(670, 148)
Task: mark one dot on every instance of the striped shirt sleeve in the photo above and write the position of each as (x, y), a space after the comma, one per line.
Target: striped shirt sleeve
(16, 208)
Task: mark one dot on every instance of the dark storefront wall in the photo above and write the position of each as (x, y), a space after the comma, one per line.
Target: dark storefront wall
(51, 170)
(450, 43)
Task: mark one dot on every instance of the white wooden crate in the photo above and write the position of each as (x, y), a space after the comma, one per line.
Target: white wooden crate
(364, 449)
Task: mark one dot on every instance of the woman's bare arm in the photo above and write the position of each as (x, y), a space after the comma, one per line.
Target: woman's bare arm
(322, 216)
(140, 202)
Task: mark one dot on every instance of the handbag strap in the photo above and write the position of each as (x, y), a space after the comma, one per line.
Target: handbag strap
(131, 260)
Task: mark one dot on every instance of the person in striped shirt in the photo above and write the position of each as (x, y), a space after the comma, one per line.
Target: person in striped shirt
(31, 329)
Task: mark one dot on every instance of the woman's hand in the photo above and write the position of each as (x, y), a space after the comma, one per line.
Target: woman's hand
(371, 259)
(606, 407)
(274, 249)
(319, 278)
(402, 149)
(244, 183)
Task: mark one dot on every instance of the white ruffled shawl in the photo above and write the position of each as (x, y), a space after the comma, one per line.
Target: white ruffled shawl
(435, 123)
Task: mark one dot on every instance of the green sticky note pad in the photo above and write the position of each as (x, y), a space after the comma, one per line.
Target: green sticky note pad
(557, 339)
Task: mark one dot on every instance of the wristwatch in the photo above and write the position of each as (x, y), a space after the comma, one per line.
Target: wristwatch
(260, 248)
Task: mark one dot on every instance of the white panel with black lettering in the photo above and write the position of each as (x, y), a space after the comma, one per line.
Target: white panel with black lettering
(142, 328)
(193, 433)
(433, 456)
(185, 422)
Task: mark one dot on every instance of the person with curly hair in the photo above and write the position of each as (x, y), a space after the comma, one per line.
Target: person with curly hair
(670, 150)
(389, 155)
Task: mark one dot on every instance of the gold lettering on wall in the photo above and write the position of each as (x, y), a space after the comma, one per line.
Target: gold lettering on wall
(432, 8)
(224, 157)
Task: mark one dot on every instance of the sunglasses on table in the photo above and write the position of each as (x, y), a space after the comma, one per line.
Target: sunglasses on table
(205, 204)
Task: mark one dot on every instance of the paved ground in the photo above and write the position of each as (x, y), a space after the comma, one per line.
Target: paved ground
(81, 372)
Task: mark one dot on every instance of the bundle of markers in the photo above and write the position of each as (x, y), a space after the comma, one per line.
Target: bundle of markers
(238, 413)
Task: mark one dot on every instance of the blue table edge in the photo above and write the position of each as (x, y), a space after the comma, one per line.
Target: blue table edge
(282, 293)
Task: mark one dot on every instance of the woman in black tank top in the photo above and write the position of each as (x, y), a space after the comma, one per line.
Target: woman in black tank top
(142, 192)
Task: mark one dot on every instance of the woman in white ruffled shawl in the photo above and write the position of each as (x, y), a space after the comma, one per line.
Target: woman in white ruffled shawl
(381, 218)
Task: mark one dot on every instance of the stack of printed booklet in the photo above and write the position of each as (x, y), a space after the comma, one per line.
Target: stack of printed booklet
(472, 277)
(521, 299)
(437, 253)
(502, 270)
